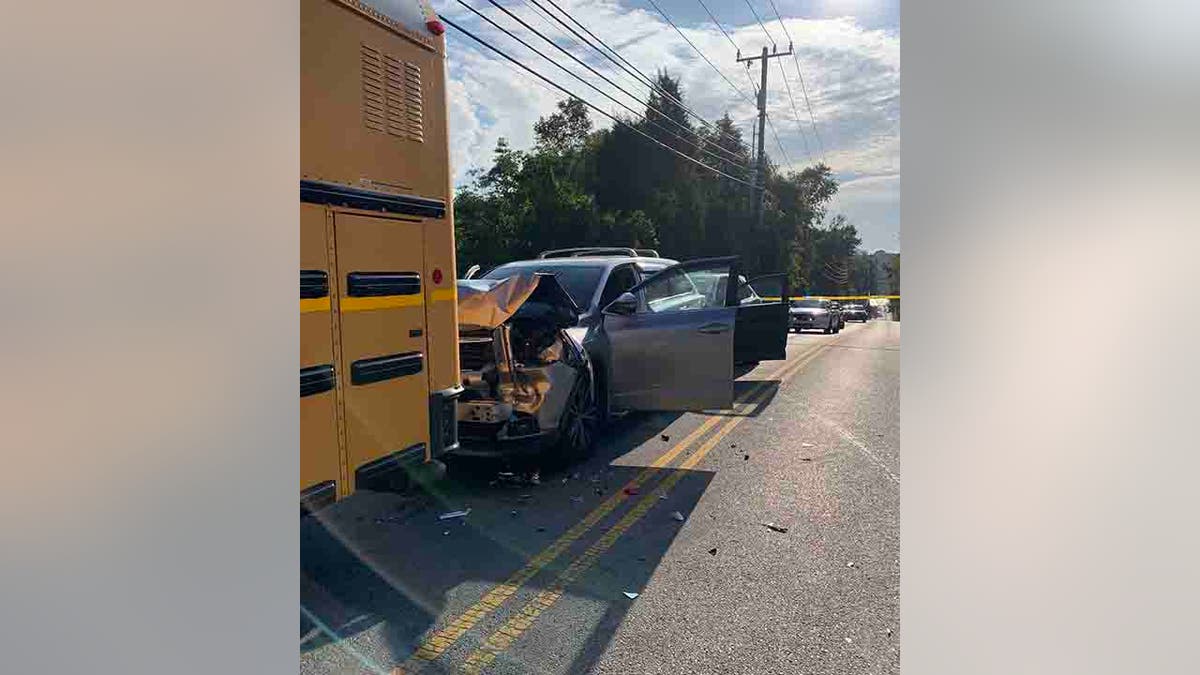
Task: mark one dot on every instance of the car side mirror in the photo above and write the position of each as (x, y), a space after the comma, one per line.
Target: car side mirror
(625, 304)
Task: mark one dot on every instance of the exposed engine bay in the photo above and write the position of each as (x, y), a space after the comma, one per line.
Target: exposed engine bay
(519, 366)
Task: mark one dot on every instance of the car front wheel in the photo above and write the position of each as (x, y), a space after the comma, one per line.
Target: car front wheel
(578, 424)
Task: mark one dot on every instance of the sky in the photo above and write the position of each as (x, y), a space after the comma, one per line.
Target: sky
(847, 51)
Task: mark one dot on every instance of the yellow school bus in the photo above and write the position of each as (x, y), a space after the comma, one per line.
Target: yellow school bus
(379, 372)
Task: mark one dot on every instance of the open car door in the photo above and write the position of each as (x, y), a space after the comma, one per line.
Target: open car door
(670, 343)
(762, 319)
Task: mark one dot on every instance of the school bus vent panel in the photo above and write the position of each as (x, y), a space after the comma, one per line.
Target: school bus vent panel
(392, 96)
(376, 284)
(313, 284)
(380, 368)
(405, 108)
(373, 96)
(316, 379)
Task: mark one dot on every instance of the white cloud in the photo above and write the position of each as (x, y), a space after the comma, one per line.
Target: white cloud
(851, 73)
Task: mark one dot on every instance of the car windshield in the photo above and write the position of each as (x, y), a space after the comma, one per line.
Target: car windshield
(579, 280)
(807, 303)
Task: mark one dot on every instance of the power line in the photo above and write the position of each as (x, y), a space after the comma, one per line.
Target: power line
(731, 156)
(718, 25)
(624, 64)
(649, 82)
(795, 113)
(589, 84)
(564, 90)
(697, 49)
(551, 21)
(776, 135)
(781, 23)
(803, 89)
(760, 23)
(753, 87)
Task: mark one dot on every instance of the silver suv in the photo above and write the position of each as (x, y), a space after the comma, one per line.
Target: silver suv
(656, 340)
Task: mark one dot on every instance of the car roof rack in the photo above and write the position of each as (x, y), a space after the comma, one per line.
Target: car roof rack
(599, 250)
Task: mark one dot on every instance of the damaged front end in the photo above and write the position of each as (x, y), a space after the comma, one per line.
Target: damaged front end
(527, 383)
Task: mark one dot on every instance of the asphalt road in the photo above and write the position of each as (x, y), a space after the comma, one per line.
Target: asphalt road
(534, 579)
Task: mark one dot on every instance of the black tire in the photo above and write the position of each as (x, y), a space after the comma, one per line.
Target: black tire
(829, 327)
(578, 424)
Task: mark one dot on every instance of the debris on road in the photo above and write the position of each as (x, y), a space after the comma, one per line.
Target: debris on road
(733, 445)
(806, 445)
(848, 641)
(513, 480)
(445, 532)
(665, 437)
(541, 529)
(630, 491)
(850, 564)
(524, 497)
(455, 514)
(776, 528)
(745, 457)
(677, 516)
(631, 595)
(663, 496)
(712, 551)
(806, 459)
(513, 513)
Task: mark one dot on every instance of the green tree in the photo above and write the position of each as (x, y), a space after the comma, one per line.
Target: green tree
(566, 130)
(580, 186)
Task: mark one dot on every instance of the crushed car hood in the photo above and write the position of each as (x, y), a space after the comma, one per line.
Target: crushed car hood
(488, 303)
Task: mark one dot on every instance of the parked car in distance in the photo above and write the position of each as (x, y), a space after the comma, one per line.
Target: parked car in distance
(855, 312)
(814, 314)
(836, 308)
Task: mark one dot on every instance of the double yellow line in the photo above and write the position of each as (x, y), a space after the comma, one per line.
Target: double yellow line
(502, 638)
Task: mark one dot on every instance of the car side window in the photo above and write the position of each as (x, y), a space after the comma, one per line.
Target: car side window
(621, 279)
(675, 290)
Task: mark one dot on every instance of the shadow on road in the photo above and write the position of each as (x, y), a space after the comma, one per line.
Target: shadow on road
(743, 390)
(386, 564)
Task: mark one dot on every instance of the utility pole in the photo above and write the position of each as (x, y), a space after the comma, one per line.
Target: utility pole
(761, 173)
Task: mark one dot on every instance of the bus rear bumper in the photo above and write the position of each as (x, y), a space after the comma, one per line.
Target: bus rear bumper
(443, 421)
